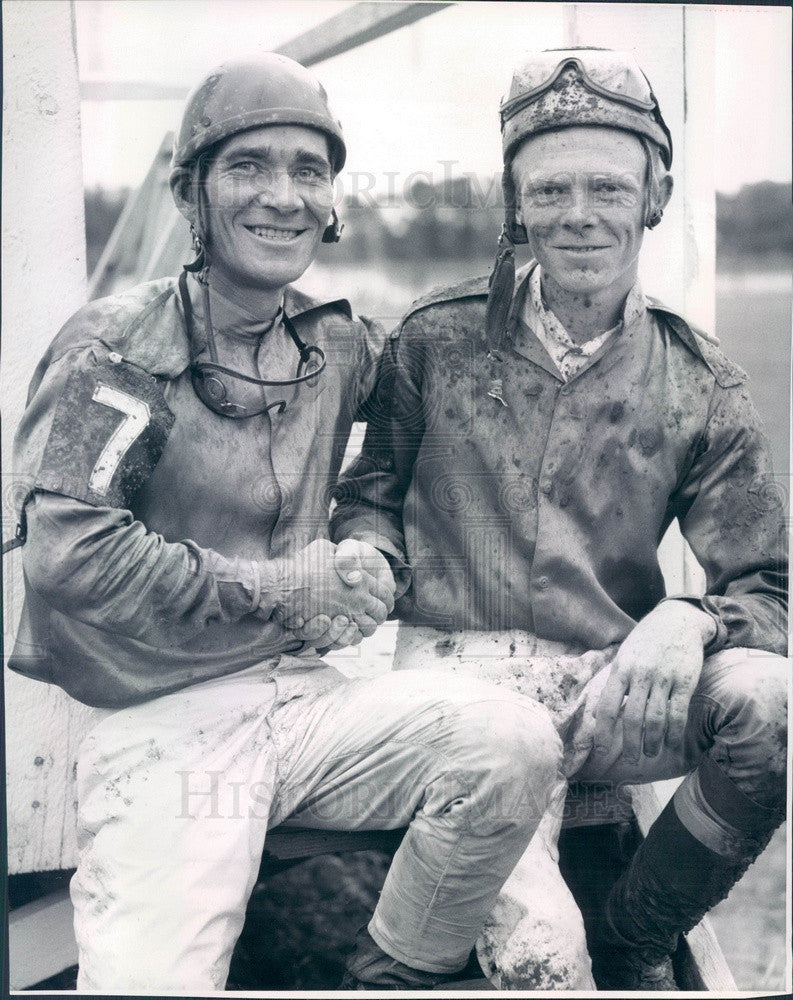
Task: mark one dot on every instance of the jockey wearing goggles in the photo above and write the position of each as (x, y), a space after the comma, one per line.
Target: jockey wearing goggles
(562, 88)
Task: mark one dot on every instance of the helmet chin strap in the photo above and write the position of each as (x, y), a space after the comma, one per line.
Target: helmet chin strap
(499, 303)
(199, 266)
(333, 230)
(653, 213)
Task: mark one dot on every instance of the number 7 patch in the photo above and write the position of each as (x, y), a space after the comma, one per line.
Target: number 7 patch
(110, 427)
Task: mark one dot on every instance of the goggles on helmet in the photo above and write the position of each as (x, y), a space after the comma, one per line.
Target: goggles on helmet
(563, 88)
(603, 71)
(611, 77)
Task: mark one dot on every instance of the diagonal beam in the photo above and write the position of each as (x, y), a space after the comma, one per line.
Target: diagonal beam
(354, 26)
(358, 24)
(361, 23)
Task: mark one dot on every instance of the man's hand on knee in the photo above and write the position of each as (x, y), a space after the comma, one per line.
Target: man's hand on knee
(652, 679)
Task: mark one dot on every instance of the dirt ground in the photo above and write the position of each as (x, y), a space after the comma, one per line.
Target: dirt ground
(303, 923)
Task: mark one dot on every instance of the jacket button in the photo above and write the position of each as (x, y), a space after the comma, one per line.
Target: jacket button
(546, 486)
(543, 582)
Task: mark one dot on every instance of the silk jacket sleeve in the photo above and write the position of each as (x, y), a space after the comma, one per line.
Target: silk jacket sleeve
(85, 554)
(102, 567)
(370, 494)
(734, 519)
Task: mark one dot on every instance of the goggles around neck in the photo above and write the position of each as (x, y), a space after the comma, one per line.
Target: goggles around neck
(211, 380)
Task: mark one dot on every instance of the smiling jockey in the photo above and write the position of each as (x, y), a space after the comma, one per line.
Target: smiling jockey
(538, 438)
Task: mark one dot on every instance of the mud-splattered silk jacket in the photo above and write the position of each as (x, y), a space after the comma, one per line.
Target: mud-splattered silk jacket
(545, 514)
(152, 517)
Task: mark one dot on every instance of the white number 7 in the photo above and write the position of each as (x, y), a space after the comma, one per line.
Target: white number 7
(137, 415)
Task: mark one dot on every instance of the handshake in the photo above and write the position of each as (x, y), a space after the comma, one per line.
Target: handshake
(333, 595)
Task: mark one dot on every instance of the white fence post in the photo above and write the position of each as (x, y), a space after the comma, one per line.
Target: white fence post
(43, 282)
(674, 46)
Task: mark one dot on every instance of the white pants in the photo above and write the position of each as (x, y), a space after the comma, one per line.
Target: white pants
(176, 795)
(534, 937)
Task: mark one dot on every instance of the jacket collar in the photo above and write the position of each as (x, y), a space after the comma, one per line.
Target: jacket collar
(154, 335)
(700, 343)
(297, 304)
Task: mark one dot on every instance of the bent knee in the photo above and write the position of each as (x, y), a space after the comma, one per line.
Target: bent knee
(752, 689)
(755, 683)
(518, 756)
(524, 731)
(501, 747)
(513, 728)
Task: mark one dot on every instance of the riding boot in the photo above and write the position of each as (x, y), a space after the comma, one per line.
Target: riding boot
(674, 878)
(371, 968)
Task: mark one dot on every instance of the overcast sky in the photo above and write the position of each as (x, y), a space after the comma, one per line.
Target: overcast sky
(424, 94)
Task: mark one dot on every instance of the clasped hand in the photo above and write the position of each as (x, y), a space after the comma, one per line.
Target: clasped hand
(334, 595)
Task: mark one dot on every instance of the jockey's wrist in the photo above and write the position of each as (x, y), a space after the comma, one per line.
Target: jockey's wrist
(691, 613)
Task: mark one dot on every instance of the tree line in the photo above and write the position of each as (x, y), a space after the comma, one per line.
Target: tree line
(460, 218)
